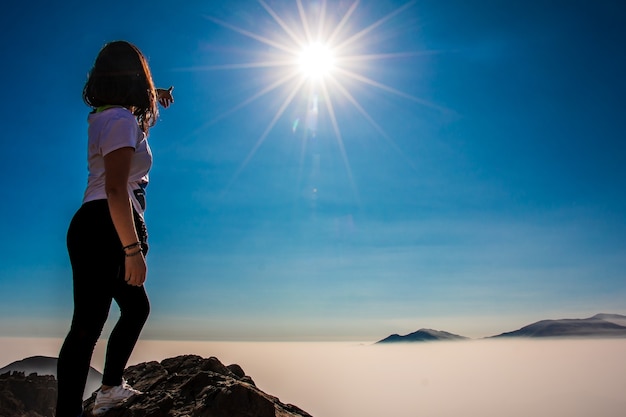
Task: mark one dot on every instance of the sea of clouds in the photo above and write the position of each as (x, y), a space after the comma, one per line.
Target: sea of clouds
(510, 378)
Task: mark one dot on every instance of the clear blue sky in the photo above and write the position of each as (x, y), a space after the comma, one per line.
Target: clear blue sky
(466, 173)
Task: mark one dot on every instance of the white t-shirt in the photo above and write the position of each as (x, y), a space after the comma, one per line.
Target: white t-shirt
(112, 129)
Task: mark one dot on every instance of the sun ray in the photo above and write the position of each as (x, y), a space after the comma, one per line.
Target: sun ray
(251, 35)
(339, 138)
(374, 25)
(303, 145)
(320, 23)
(344, 20)
(389, 55)
(263, 136)
(376, 126)
(282, 24)
(384, 87)
(248, 65)
(257, 95)
(252, 98)
(304, 20)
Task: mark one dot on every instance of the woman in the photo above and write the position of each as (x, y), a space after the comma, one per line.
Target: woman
(107, 237)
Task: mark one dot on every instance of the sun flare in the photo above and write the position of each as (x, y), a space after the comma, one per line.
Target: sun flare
(321, 57)
(316, 60)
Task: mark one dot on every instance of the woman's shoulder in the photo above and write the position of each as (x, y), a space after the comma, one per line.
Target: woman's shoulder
(112, 116)
(115, 124)
(111, 113)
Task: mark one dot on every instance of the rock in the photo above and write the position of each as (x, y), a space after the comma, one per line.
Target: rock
(192, 386)
(183, 386)
(27, 395)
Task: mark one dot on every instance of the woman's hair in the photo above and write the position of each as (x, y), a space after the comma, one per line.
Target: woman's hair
(121, 76)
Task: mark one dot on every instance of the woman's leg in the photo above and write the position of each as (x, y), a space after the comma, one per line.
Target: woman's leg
(95, 259)
(134, 310)
(90, 314)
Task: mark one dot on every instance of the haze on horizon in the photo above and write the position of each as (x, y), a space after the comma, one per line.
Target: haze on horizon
(460, 166)
(555, 378)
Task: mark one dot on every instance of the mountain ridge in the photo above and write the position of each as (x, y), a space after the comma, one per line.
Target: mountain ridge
(422, 335)
(601, 325)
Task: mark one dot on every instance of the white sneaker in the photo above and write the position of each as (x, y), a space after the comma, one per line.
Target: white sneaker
(105, 400)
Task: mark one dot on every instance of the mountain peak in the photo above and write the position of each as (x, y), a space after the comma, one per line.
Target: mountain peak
(422, 335)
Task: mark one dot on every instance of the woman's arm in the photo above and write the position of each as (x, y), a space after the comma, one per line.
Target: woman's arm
(116, 169)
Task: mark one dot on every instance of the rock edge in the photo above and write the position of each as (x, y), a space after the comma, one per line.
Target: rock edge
(182, 386)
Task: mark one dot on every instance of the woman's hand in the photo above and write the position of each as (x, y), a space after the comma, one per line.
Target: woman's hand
(136, 270)
(165, 97)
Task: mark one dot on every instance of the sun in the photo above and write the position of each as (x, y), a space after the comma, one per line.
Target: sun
(323, 56)
(316, 61)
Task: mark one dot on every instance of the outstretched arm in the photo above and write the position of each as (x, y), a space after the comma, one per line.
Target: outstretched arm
(165, 97)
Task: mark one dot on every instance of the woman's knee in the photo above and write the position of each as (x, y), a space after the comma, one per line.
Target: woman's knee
(137, 311)
(144, 310)
(85, 333)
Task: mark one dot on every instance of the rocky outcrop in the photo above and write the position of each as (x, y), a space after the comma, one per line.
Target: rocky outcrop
(27, 395)
(184, 386)
(192, 386)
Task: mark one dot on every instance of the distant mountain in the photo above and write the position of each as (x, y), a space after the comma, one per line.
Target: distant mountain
(613, 318)
(600, 325)
(422, 335)
(45, 365)
(41, 365)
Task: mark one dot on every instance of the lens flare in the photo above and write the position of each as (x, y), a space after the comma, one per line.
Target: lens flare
(320, 53)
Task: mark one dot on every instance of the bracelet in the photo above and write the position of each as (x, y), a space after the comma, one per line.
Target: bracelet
(128, 255)
(132, 245)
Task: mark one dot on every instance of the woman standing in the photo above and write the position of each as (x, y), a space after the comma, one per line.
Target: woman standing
(107, 237)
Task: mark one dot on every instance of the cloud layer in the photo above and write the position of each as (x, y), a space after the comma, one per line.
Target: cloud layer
(489, 378)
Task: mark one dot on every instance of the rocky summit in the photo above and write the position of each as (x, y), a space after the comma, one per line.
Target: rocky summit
(183, 386)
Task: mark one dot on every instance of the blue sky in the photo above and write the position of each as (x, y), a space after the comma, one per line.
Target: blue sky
(467, 173)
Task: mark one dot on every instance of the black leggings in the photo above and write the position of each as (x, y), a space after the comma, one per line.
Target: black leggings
(97, 260)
